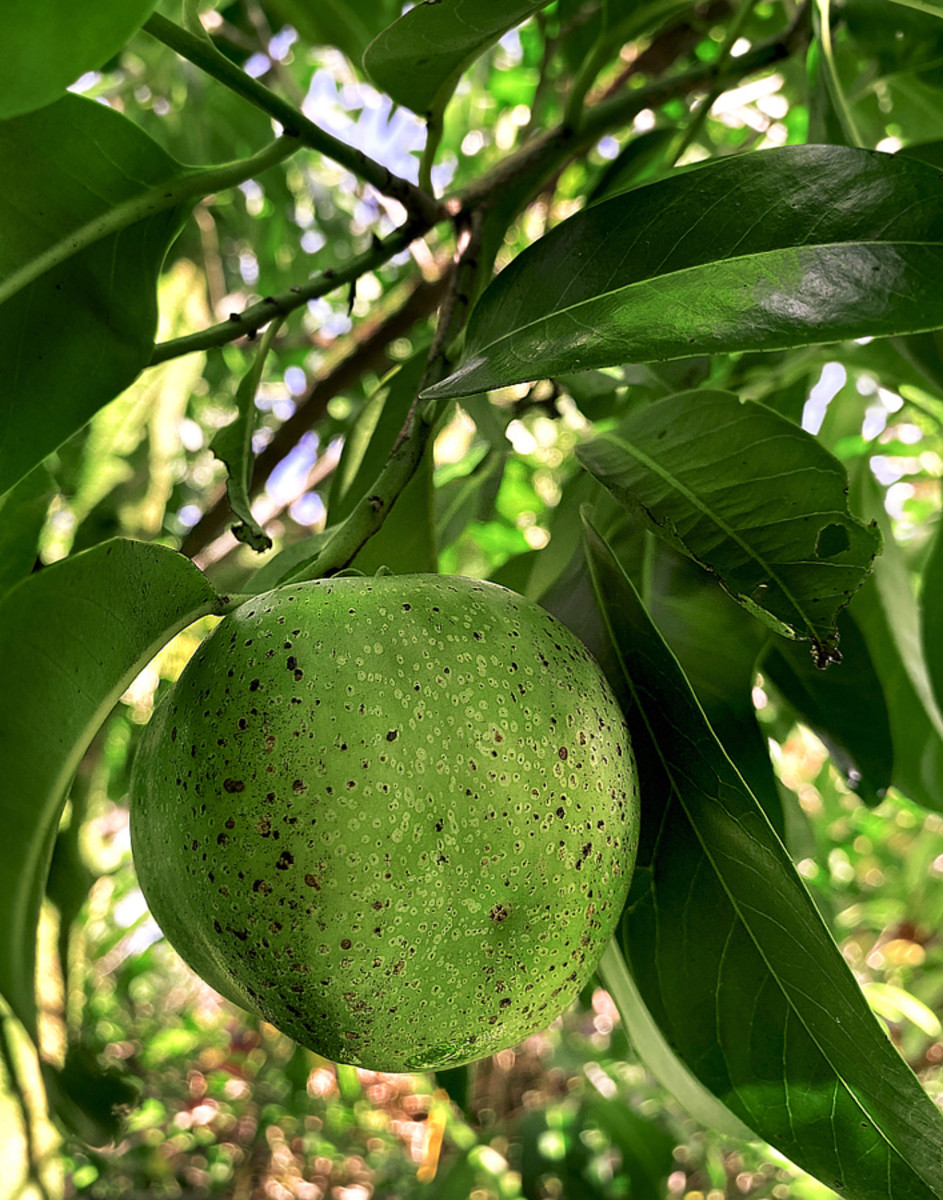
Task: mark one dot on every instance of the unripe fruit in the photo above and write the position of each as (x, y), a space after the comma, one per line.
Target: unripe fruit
(396, 817)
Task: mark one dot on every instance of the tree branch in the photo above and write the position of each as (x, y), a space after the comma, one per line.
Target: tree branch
(203, 54)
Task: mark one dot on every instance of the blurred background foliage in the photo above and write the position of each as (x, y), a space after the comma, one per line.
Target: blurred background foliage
(153, 1085)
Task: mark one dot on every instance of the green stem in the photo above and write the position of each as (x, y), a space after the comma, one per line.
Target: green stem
(203, 54)
(372, 509)
(189, 186)
(435, 127)
(251, 319)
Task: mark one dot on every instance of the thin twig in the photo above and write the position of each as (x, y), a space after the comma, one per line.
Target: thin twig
(251, 319)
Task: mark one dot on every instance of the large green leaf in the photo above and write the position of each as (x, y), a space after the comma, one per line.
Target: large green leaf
(79, 334)
(420, 57)
(760, 251)
(48, 44)
(731, 955)
(887, 614)
(748, 495)
(72, 637)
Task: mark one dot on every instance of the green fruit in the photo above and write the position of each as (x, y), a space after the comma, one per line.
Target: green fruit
(396, 817)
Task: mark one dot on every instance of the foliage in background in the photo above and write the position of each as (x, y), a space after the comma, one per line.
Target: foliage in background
(629, 305)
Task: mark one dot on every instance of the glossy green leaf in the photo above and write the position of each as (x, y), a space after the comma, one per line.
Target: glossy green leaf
(79, 334)
(751, 497)
(887, 614)
(788, 247)
(732, 958)
(48, 44)
(419, 58)
(72, 637)
(844, 706)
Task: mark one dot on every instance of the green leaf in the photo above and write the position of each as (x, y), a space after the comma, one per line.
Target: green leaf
(732, 957)
(232, 445)
(933, 7)
(470, 497)
(762, 251)
(22, 516)
(931, 613)
(419, 58)
(645, 1149)
(658, 1056)
(887, 614)
(640, 158)
(72, 637)
(286, 561)
(367, 444)
(80, 333)
(844, 706)
(48, 44)
(748, 495)
(717, 645)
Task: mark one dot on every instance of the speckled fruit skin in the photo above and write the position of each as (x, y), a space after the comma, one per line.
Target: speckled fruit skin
(396, 817)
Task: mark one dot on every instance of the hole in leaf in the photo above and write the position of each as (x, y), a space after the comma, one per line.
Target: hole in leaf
(832, 540)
